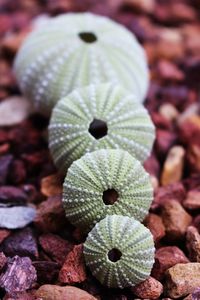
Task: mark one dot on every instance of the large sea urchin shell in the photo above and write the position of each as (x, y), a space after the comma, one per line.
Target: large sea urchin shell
(119, 251)
(99, 117)
(106, 182)
(75, 50)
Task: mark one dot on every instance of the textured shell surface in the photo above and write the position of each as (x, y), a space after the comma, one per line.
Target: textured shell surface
(119, 251)
(128, 124)
(106, 182)
(75, 50)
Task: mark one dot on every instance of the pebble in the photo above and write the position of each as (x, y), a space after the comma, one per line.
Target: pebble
(173, 166)
(148, 289)
(20, 275)
(175, 219)
(182, 279)
(22, 243)
(16, 216)
(156, 226)
(73, 270)
(55, 292)
(50, 215)
(169, 112)
(193, 243)
(175, 191)
(51, 185)
(19, 105)
(55, 247)
(192, 200)
(165, 258)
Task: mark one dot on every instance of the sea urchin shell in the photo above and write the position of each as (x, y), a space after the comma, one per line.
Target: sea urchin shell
(106, 182)
(75, 50)
(119, 251)
(99, 117)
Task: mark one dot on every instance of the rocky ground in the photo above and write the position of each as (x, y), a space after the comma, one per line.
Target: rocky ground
(43, 259)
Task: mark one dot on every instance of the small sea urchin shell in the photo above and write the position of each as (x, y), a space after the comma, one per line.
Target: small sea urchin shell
(119, 251)
(106, 182)
(99, 117)
(75, 50)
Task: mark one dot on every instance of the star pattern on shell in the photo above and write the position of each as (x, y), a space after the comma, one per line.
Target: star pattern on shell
(99, 117)
(119, 251)
(77, 49)
(106, 182)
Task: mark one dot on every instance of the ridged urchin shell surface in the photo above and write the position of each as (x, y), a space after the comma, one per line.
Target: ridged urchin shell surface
(125, 236)
(99, 173)
(129, 126)
(54, 59)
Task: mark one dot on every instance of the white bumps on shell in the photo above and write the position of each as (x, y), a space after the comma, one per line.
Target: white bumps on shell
(121, 123)
(119, 251)
(75, 50)
(106, 182)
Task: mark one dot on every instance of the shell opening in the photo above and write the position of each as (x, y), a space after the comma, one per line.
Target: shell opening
(88, 37)
(110, 196)
(114, 255)
(98, 129)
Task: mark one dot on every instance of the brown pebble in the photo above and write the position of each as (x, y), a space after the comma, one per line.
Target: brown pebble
(155, 225)
(148, 289)
(55, 247)
(192, 200)
(175, 219)
(3, 260)
(55, 292)
(175, 191)
(50, 215)
(165, 258)
(73, 270)
(169, 111)
(173, 166)
(193, 243)
(182, 279)
(51, 185)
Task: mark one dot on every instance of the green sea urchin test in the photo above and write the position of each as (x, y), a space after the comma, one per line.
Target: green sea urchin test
(99, 117)
(119, 251)
(106, 182)
(75, 50)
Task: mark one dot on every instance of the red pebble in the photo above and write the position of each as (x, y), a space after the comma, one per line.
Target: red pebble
(73, 269)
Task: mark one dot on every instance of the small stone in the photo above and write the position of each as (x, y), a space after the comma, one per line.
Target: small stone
(47, 271)
(175, 191)
(5, 162)
(51, 185)
(20, 296)
(10, 196)
(155, 225)
(4, 233)
(3, 260)
(50, 215)
(165, 258)
(152, 165)
(55, 247)
(148, 289)
(193, 243)
(146, 6)
(169, 71)
(22, 243)
(196, 294)
(164, 141)
(73, 270)
(19, 275)
(169, 111)
(173, 166)
(17, 173)
(182, 279)
(16, 216)
(55, 292)
(175, 219)
(192, 200)
(19, 105)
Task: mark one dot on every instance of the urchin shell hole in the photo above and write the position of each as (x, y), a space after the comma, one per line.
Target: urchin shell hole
(114, 255)
(98, 129)
(110, 196)
(88, 37)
